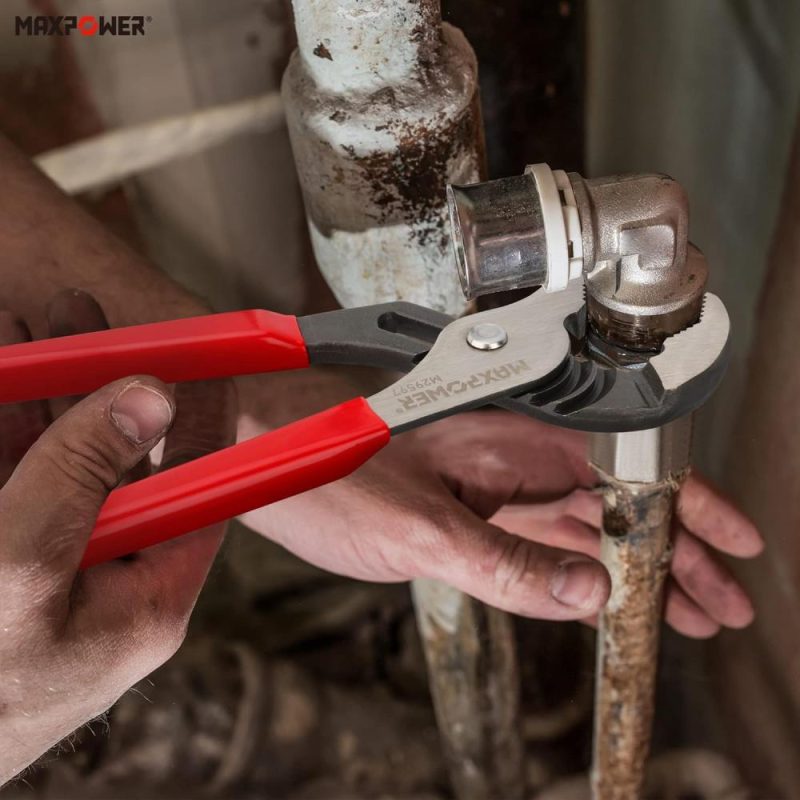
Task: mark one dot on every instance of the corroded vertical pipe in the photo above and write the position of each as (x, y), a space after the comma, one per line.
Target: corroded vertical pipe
(640, 473)
(349, 46)
(471, 657)
(383, 112)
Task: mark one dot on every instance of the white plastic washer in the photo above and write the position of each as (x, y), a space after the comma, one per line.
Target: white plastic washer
(561, 226)
(572, 221)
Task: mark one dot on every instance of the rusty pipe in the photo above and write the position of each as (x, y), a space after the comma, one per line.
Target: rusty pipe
(640, 473)
(627, 237)
(352, 46)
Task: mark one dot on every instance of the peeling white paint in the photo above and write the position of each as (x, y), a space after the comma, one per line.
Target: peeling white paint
(443, 606)
(364, 45)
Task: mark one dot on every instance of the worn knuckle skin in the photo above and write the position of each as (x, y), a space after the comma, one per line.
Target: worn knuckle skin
(434, 536)
(512, 568)
(88, 463)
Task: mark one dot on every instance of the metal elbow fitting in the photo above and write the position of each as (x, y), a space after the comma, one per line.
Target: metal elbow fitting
(644, 281)
(627, 235)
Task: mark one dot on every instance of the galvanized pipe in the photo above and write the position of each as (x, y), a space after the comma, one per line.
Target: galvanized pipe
(640, 473)
(382, 108)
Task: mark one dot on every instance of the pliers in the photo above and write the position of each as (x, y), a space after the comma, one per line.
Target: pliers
(534, 357)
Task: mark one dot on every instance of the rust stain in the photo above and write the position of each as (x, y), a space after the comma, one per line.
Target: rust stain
(409, 182)
(637, 551)
(427, 33)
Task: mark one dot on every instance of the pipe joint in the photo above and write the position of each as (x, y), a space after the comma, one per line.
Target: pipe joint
(644, 281)
(628, 235)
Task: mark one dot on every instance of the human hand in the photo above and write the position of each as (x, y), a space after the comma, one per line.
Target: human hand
(72, 642)
(501, 507)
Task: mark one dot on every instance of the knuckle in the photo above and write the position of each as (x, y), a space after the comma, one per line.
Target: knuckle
(688, 561)
(88, 464)
(432, 532)
(511, 565)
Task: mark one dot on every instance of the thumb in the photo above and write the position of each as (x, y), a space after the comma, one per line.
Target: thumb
(50, 504)
(512, 573)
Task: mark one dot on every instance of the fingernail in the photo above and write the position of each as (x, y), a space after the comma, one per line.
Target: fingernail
(141, 413)
(580, 584)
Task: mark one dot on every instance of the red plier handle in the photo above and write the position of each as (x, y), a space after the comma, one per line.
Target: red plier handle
(450, 370)
(197, 348)
(292, 459)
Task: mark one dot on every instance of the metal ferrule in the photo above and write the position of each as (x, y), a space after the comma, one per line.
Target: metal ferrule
(516, 233)
(498, 235)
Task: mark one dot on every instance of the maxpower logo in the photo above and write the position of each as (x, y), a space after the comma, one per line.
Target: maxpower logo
(431, 389)
(113, 25)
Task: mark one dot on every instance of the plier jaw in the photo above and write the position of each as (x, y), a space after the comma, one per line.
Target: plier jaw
(549, 365)
(532, 356)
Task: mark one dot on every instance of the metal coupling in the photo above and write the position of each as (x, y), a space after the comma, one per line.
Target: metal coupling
(644, 281)
(627, 235)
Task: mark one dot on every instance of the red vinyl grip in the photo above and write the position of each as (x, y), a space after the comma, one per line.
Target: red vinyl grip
(279, 464)
(214, 346)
